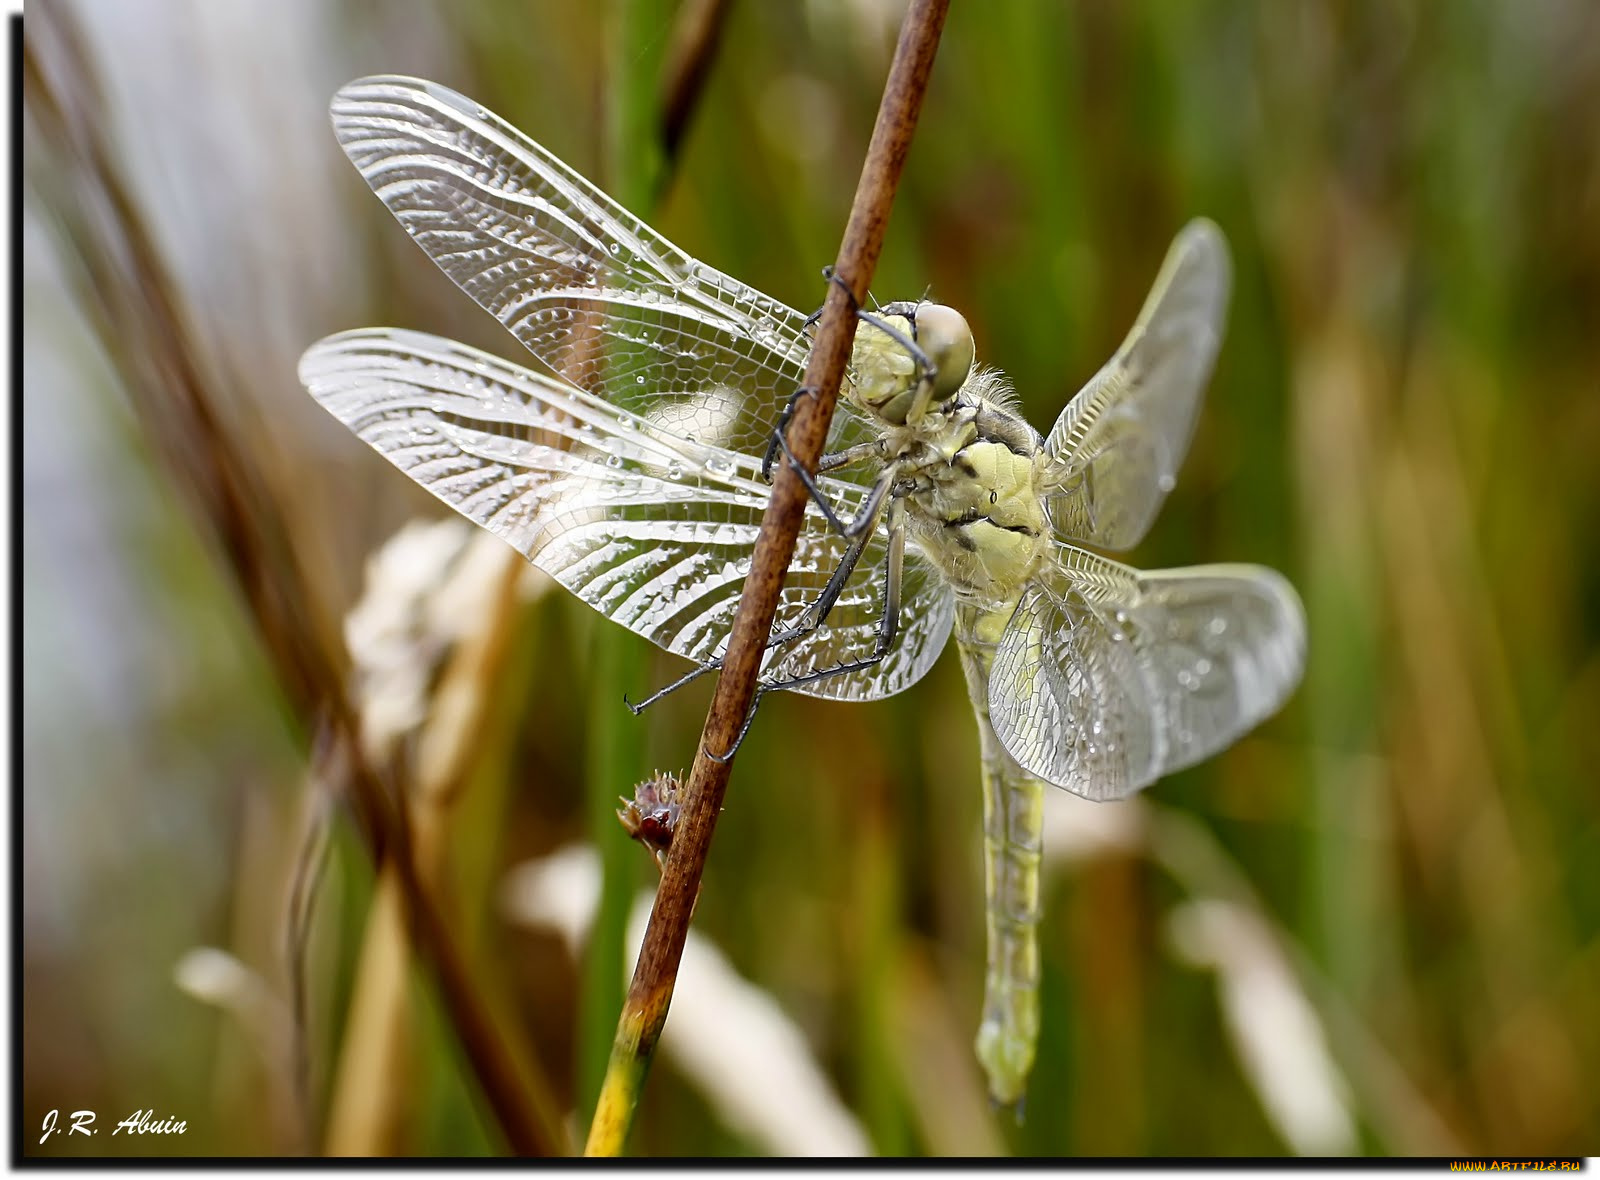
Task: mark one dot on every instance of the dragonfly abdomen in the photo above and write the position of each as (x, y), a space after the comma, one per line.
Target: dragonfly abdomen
(1013, 827)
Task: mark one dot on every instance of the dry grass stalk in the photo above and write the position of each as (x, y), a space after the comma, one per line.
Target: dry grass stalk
(236, 488)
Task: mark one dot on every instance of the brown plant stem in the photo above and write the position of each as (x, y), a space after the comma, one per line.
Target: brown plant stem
(371, 1104)
(645, 1011)
(519, 1098)
(694, 47)
(235, 485)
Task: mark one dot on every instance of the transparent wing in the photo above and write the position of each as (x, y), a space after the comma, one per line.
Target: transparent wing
(651, 528)
(596, 294)
(1117, 446)
(1066, 697)
(1108, 678)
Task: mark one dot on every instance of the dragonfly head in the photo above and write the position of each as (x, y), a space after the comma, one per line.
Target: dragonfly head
(887, 373)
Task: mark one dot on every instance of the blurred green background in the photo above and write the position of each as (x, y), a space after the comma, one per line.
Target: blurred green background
(1371, 927)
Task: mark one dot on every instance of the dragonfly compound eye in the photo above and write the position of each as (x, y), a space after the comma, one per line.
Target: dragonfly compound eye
(943, 334)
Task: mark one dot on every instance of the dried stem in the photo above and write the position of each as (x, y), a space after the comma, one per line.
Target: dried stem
(235, 488)
(694, 46)
(645, 1011)
(519, 1097)
(311, 859)
(371, 1104)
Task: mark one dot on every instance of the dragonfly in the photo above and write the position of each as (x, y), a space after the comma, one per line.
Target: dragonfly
(634, 470)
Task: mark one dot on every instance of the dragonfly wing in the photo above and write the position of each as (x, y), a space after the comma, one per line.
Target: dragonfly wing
(596, 294)
(927, 611)
(651, 528)
(1222, 647)
(1108, 678)
(1116, 449)
(1066, 697)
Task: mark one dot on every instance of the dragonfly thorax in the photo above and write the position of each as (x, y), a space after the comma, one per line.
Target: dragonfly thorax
(972, 492)
(888, 377)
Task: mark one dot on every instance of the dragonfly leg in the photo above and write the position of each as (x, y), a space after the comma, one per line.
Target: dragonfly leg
(832, 276)
(872, 448)
(888, 628)
(840, 459)
(779, 430)
(738, 738)
(814, 616)
(859, 532)
(688, 677)
(888, 621)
